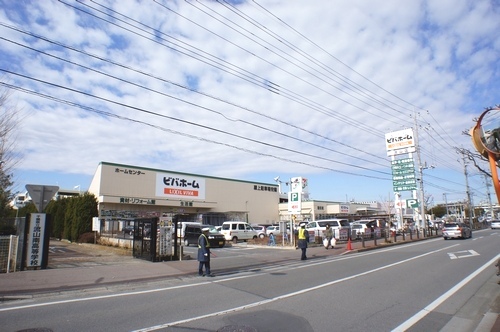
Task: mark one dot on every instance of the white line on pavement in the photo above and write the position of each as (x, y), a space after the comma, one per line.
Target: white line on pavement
(284, 296)
(422, 313)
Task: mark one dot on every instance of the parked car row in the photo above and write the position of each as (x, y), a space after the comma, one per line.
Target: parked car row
(264, 231)
(319, 226)
(241, 231)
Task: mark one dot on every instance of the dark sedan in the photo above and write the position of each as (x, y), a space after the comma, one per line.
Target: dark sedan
(128, 230)
(193, 232)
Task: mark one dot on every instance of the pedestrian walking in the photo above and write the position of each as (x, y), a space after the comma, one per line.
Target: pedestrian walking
(272, 241)
(327, 237)
(204, 253)
(303, 236)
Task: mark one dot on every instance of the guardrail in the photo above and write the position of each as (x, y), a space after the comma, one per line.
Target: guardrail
(386, 234)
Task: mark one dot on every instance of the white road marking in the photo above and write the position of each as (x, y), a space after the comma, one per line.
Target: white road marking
(298, 266)
(284, 296)
(422, 313)
(462, 254)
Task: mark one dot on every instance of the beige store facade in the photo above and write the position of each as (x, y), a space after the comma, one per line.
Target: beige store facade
(126, 192)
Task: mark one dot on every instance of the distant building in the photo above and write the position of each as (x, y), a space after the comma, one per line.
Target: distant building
(20, 200)
(65, 193)
(315, 210)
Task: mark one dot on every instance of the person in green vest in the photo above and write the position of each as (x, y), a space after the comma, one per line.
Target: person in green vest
(303, 236)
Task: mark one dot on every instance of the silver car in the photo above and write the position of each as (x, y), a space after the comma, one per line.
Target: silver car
(456, 229)
(261, 230)
(495, 223)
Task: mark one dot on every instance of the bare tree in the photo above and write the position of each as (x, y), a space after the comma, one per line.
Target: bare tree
(9, 158)
(474, 157)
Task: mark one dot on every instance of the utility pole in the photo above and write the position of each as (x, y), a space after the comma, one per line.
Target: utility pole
(421, 175)
(446, 203)
(469, 201)
(487, 182)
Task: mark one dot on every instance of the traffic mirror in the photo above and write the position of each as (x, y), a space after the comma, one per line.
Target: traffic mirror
(486, 134)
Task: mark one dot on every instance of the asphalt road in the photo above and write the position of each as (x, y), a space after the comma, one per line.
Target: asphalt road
(433, 285)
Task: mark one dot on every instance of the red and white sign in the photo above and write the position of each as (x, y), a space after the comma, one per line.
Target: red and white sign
(179, 186)
(399, 142)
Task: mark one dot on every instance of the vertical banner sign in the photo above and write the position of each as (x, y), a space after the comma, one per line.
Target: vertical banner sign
(36, 235)
(166, 240)
(96, 224)
(294, 203)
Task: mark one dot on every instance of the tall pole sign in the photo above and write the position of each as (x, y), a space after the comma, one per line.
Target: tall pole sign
(298, 190)
(398, 144)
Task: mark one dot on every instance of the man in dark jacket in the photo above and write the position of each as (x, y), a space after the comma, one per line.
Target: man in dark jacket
(204, 253)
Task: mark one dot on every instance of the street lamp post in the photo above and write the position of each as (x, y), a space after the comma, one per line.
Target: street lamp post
(279, 182)
(446, 203)
(422, 204)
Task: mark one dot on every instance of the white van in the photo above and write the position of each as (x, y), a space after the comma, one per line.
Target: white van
(238, 230)
(318, 226)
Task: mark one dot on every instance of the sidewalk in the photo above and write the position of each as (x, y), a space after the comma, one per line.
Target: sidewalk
(99, 266)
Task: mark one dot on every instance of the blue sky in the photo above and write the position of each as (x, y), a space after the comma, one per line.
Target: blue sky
(250, 90)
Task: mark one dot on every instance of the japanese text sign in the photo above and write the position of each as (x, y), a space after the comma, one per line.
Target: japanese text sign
(179, 186)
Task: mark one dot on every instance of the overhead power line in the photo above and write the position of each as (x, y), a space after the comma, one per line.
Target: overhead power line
(202, 126)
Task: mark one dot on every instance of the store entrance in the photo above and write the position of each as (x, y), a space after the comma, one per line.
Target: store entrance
(145, 239)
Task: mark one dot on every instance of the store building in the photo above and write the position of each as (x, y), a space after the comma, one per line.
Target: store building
(315, 210)
(126, 192)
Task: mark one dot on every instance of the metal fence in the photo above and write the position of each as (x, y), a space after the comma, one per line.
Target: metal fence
(8, 253)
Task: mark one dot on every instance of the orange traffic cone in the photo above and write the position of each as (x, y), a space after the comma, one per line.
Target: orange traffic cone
(349, 246)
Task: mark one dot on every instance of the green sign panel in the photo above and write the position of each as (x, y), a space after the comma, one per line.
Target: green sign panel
(404, 182)
(412, 203)
(405, 161)
(403, 175)
(404, 188)
(403, 172)
(402, 167)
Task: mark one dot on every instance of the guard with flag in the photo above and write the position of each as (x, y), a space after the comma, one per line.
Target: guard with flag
(204, 253)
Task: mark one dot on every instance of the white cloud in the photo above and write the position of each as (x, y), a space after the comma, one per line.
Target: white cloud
(343, 74)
